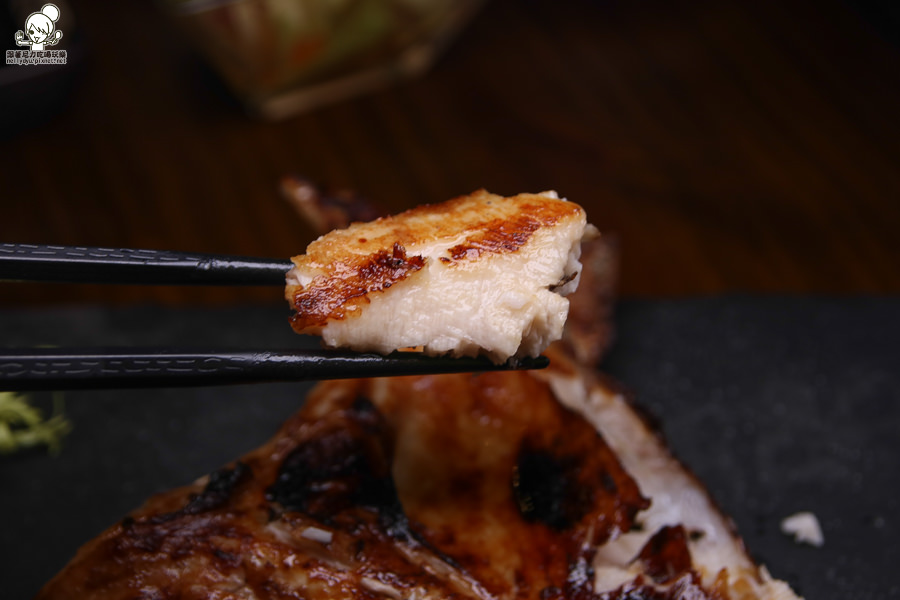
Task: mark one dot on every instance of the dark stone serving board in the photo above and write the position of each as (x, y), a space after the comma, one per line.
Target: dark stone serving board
(779, 404)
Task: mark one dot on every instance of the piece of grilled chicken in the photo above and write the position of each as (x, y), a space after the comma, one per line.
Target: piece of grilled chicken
(502, 485)
(479, 274)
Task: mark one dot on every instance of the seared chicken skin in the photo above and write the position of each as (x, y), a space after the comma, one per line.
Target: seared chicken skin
(480, 487)
(546, 484)
(500, 485)
(480, 274)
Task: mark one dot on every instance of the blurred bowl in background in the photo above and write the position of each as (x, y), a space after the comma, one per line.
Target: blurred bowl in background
(282, 57)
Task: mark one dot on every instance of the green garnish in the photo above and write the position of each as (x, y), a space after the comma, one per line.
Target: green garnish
(23, 425)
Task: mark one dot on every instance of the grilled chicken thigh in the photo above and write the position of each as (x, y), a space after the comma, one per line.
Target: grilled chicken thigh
(544, 485)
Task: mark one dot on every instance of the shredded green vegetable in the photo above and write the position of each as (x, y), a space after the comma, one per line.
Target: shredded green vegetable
(23, 425)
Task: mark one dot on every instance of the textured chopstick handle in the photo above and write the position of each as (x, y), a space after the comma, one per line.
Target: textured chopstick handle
(57, 369)
(111, 368)
(36, 262)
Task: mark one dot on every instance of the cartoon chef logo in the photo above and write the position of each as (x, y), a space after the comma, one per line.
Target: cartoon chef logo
(40, 29)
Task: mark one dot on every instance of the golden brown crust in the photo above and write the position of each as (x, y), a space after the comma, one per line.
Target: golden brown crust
(450, 486)
(457, 485)
(366, 258)
(348, 284)
(475, 216)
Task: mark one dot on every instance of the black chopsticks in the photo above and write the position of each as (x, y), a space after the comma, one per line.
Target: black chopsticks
(97, 368)
(105, 368)
(77, 264)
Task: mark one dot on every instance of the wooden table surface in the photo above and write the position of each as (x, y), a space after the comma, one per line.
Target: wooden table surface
(730, 146)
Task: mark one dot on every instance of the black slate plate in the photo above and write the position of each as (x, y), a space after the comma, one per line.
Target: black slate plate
(778, 404)
(782, 405)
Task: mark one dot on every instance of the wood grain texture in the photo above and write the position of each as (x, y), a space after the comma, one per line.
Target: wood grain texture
(731, 146)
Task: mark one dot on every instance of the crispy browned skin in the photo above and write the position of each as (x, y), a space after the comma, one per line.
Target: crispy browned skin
(456, 485)
(367, 258)
(449, 486)
(452, 486)
(348, 284)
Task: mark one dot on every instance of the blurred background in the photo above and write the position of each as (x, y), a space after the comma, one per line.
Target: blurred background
(744, 154)
(730, 146)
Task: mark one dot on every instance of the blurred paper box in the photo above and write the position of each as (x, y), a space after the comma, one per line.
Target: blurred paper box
(282, 57)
